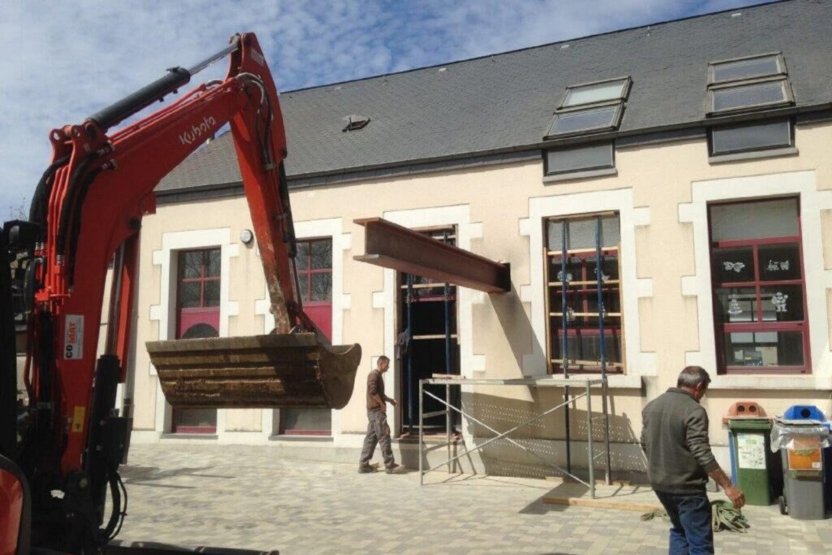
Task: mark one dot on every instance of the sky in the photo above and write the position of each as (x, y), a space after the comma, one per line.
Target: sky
(64, 60)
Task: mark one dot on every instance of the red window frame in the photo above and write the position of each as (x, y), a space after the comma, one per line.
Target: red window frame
(204, 312)
(758, 325)
(320, 311)
(306, 272)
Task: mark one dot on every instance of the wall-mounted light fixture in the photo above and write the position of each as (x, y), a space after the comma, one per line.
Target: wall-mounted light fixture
(246, 236)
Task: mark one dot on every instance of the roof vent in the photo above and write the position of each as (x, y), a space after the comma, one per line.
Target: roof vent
(355, 122)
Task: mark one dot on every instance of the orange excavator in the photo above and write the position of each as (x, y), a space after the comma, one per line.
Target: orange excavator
(61, 447)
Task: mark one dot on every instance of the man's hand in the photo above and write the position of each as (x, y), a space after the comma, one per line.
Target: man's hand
(736, 495)
(394, 403)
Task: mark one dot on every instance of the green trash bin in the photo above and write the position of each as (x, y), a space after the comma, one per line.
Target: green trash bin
(759, 472)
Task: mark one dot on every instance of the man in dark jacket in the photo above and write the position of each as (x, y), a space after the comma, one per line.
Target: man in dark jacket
(378, 432)
(679, 459)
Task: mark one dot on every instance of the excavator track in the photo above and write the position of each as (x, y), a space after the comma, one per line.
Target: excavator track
(262, 371)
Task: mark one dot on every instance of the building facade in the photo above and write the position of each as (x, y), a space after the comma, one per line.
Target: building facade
(693, 156)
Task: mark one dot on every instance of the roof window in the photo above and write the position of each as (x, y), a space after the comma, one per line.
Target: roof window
(745, 84)
(592, 107)
(355, 122)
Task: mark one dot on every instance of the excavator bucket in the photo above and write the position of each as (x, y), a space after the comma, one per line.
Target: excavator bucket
(262, 371)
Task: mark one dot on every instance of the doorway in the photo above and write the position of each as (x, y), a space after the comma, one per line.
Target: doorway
(427, 343)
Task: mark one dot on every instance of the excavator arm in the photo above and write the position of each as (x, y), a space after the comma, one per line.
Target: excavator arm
(86, 213)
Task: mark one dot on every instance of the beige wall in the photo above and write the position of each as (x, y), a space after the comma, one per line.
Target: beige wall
(660, 192)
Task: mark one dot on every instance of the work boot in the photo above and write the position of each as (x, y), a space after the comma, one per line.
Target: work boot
(395, 469)
(366, 468)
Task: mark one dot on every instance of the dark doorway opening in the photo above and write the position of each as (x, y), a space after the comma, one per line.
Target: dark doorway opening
(428, 344)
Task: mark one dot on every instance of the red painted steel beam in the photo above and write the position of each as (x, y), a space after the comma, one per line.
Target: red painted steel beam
(392, 246)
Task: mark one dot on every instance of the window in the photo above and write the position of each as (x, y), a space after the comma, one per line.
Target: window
(583, 158)
(314, 266)
(746, 68)
(583, 304)
(758, 286)
(198, 315)
(747, 84)
(593, 107)
(751, 137)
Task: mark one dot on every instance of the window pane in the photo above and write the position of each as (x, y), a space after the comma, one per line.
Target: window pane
(577, 159)
(746, 69)
(777, 348)
(191, 264)
(212, 293)
(733, 265)
(585, 345)
(748, 96)
(302, 258)
(585, 120)
(582, 232)
(779, 262)
(594, 93)
(783, 303)
(214, 263)
(754, 220)
(200, 330)
(725, 140)
(311, 421)
(321, 287)
(189, 294)
(321, 254)
(736, 304)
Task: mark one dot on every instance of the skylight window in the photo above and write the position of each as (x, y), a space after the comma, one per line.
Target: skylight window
(592, 107)
(579, 121)
(748, 68)
(748, 84)
(596, 92)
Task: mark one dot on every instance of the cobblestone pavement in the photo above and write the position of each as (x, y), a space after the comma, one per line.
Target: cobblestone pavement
(248, 497)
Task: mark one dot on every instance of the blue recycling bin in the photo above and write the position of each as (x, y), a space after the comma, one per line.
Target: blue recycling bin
(798, 483)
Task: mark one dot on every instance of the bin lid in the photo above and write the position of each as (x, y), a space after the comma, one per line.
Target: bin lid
(744, 409)
(750, 424)
(804, 412)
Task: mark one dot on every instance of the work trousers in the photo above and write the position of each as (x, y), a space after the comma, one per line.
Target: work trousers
(378, 432)
(690, 515)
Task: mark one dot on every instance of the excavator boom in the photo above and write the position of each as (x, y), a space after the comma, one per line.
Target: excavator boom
(85, 217)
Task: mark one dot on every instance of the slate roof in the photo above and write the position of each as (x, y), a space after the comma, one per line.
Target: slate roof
(504, 103)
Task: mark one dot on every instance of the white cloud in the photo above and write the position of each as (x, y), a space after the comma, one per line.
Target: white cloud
(66, 60)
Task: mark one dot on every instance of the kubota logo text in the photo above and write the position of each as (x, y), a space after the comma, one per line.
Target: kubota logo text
(196, 132)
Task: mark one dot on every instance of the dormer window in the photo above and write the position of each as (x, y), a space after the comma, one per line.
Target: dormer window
(746, 84)
(592, 107)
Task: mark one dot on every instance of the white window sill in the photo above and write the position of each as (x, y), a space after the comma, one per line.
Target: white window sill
(755, 155)
(771, 382)
(297, 438)
(571, 176)
(614, 381)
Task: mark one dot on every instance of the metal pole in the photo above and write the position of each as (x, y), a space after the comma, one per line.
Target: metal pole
(565, 328)
(590, 458)
(421, 434)
(599, 271)
(447, 363)
(409, 365)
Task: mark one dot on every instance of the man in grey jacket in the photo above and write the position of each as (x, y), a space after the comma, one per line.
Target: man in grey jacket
(679, 460)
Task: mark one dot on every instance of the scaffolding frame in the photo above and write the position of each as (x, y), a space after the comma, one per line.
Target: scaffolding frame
(565, 383)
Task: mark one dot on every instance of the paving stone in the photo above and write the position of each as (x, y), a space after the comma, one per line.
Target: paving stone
(247, 497)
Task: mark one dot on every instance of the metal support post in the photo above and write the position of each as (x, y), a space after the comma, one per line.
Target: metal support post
(421, 433)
